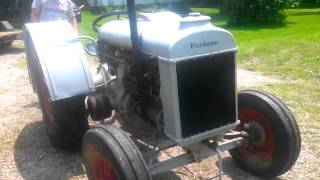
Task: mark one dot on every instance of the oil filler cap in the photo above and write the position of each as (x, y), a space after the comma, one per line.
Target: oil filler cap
(194, 19)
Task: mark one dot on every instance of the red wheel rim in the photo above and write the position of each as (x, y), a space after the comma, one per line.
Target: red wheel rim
(264, 150)
(101, 167)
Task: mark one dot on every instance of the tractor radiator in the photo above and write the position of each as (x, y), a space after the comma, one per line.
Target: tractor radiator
(198, 96)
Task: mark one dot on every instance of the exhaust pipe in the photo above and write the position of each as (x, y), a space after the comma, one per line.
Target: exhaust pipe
(135, 39)
(139, 61)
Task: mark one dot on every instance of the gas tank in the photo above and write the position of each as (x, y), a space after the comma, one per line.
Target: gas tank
(169, 36)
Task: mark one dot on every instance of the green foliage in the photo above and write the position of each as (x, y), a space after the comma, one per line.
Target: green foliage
(4, 5)
(309, 3)
(85, 27)
(248, 11)
(293, 3)
(202, 3)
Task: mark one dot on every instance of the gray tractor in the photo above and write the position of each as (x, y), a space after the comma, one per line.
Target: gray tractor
(168, 77)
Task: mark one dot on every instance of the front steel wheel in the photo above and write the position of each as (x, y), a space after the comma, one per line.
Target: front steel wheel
(274, 137)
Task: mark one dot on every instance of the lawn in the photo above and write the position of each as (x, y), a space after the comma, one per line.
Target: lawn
(85, 27)
(289, 52)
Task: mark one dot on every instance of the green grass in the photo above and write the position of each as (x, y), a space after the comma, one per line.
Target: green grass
(85, 27)
(289, 52)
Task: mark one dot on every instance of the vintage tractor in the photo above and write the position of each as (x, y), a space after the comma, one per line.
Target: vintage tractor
(168, 77)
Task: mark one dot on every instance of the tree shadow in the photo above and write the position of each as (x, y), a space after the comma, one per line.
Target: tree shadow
(220, 21)
(309, 5)
(305, 14)
(35, 157)
(11, 50)
(258, 26)
(233, 171)
(170, 175)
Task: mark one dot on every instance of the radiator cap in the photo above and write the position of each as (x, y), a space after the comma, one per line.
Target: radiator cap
(195, 17)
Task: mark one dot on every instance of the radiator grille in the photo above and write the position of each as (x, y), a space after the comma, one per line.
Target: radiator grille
(207, 93)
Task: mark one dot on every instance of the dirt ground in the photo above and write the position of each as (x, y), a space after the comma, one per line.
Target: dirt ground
(25, 151)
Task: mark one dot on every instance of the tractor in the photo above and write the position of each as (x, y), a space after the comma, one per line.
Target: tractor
(170, 77)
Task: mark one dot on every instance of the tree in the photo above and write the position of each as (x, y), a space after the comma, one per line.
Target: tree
(247, 11)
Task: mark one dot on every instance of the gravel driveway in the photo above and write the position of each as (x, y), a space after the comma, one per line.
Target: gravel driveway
(25, 151)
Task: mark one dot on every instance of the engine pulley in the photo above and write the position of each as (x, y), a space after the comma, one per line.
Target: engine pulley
(99, 107)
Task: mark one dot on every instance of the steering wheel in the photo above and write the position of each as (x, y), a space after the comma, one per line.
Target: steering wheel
(96, 25)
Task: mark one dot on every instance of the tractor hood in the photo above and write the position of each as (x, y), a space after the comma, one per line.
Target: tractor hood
(169, 36)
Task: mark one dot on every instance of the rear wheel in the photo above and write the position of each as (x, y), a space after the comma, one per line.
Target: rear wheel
(274, 143)
(66, 120)
(110, 154)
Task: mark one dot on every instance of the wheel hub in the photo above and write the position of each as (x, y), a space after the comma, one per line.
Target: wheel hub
(257, 134)
(261, 139)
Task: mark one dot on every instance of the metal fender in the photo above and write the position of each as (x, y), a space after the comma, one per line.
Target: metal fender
(53, 48)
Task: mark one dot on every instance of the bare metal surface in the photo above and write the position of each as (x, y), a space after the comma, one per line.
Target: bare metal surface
(150, 155)
(177, 40)
(187, 158)
(171, 164)
(61, 57)
(219, 153)
(215, 132)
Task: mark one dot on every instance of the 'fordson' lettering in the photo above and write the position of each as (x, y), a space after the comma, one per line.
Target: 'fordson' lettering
(203, 44)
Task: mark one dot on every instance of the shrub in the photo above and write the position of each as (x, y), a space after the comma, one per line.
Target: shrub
(201, 3)
(309, 3)
(257, 11)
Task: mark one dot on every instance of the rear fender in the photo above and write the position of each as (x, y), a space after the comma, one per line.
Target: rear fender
(55, 47)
